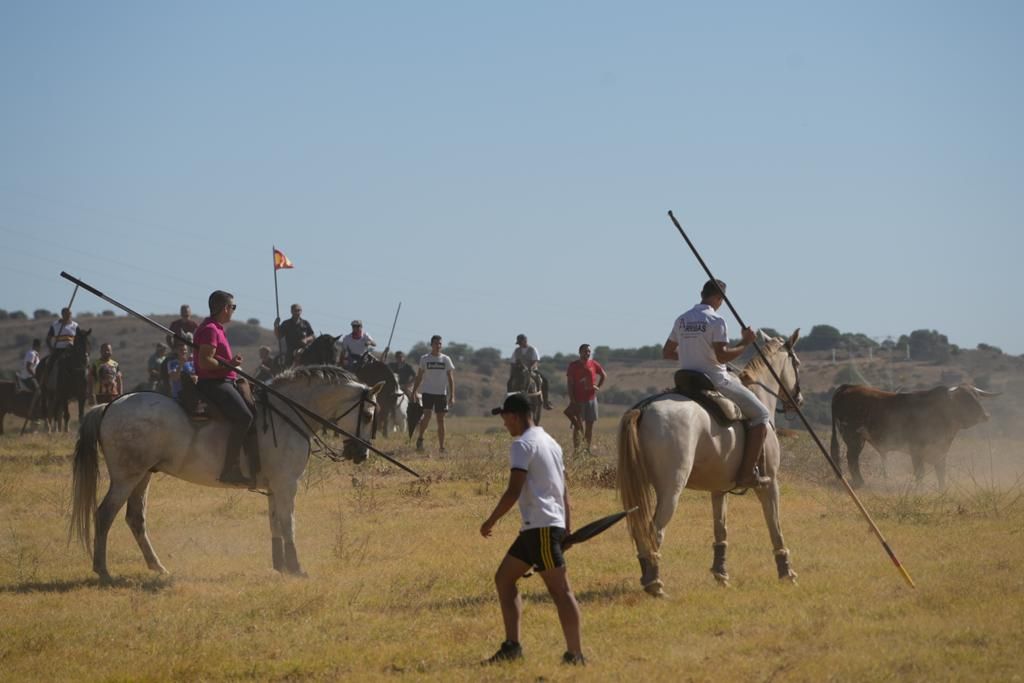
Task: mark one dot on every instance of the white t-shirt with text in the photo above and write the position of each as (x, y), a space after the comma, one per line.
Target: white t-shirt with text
(542, 500)
(695, 331)
(435, 374)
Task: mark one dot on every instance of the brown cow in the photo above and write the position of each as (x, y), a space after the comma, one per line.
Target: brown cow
(921, 423)
(15, 402)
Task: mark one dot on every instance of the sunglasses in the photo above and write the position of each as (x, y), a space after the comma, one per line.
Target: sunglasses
(231, 307)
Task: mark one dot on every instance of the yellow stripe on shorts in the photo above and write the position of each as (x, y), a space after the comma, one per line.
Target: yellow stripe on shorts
(545, 548)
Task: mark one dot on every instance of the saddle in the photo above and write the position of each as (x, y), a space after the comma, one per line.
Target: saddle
(697, 387)
(200, 410)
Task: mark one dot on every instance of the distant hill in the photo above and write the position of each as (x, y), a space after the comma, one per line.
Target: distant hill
(481, 373)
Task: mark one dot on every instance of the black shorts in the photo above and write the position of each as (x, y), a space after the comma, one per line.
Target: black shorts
(540, 548)
(436, 402)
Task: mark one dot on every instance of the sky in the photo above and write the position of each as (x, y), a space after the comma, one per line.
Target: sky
(508, 167)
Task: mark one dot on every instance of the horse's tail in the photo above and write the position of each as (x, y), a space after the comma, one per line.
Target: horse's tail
(85, 477)
(635, 484)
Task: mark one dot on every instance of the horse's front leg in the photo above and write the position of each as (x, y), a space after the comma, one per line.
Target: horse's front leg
(769, 497)
(719, 513)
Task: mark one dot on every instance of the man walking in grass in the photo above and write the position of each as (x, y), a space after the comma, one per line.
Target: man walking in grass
(436, 376)
(537, 482)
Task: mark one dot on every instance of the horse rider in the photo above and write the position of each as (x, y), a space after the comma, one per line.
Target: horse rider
(699, 340)
(355, 344)
(404, 372)
(526, 355)
(217, 385)
(59, 338)
(297, 334)
(27, 372)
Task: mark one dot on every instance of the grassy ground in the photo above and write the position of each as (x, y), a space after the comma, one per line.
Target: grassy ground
(400, 580)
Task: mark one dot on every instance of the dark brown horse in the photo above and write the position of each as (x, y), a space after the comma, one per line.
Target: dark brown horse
(64, 379)
(368, 368)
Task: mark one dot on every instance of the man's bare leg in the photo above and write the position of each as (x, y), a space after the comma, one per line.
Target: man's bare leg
(557, 582)
(440, 430)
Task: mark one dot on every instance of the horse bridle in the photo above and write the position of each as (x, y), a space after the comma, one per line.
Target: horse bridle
(787, 405)
(364, 398)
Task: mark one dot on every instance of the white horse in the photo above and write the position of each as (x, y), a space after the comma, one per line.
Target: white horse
(146, 432)
(674, 443)
(399, 415)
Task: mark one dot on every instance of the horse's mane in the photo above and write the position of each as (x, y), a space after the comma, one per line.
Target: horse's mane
(756, 364)
(329, 374)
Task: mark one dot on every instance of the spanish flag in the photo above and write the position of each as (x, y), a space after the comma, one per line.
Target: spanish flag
(281, 261)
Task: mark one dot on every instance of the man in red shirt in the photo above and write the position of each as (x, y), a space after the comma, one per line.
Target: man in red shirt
(584, 378)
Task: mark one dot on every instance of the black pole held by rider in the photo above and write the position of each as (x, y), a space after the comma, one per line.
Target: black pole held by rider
(807, 424)
(273, 392)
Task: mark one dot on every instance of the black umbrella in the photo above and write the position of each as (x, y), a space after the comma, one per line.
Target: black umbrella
(588, 531)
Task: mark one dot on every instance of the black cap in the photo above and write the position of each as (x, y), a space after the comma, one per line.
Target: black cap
(514, 403)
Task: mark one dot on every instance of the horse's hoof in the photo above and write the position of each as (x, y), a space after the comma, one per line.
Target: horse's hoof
(655, 589)
(721, 579)
(789, 578)
(106, 580)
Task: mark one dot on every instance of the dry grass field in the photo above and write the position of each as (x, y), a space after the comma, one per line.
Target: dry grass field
(400, 581)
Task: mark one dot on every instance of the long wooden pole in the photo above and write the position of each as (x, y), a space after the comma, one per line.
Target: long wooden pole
(387, 349)
(803, 418)
(324, 422)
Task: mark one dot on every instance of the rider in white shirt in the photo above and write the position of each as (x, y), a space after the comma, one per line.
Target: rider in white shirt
(355, 344)
(699, 340)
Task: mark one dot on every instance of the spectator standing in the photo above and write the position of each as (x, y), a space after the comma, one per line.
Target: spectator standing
(296, 332)
(27, 371)
(155, 364)
(584, 378)
(355, 344)
(184, 324)
(106, 382)
(180, 368)
(437, 378)
(265, 371)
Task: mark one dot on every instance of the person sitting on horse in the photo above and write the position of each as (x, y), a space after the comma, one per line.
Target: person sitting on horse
(106, 382)
(354, 345)
(699, 340)
(217, 386)
(62, 332)
(526, 355)
(27, 372)
(404, 372)
(296, 332)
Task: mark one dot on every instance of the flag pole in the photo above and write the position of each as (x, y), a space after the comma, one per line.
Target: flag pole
(277, 301)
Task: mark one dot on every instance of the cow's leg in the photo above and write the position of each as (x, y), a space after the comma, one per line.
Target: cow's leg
(136, 518)
(854, 446)
(917, 459)
(940, 470)
(769, 497)
(719, 512)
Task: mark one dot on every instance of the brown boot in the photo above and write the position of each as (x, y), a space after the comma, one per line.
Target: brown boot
(748, 476)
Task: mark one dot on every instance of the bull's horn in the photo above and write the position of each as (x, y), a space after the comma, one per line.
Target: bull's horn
(986, 394)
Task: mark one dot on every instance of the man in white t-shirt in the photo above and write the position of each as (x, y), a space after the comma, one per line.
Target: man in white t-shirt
(437, 379)
(61, 334)
(355, 344)
(699, 340)
(537, 483)
(27, 371)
